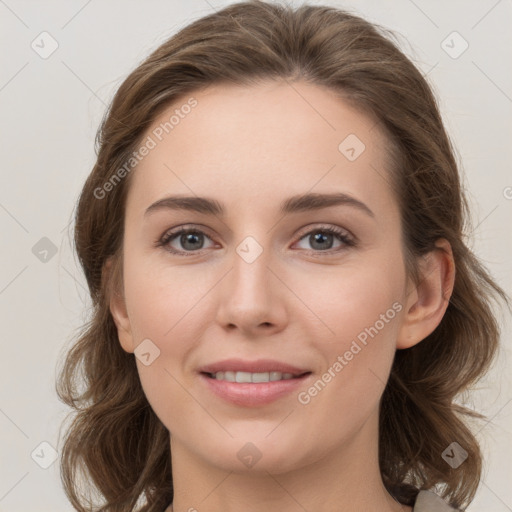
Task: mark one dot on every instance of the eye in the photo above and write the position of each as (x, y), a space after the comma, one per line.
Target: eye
(322, 239)
(185, 241)
(190, 239)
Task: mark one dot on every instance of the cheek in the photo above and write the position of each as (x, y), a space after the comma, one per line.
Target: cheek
(354, 297)
(348, 389)
(160, 303)
(360, 312)
(160, 298)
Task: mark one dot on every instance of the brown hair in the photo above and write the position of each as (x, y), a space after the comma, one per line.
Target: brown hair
(115, 441)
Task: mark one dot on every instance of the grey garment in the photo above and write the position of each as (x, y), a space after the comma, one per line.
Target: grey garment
(427, 501)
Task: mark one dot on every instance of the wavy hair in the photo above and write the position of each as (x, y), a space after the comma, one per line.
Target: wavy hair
(115, 446)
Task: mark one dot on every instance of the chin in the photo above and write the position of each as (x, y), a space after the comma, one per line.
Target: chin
(259, 455)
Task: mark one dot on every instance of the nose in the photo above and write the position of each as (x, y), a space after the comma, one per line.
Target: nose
(252, 297)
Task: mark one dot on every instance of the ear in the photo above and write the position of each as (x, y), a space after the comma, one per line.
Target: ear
(426, 302)
(118, 306)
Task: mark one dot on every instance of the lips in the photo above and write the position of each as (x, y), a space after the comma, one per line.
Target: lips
(252, 383)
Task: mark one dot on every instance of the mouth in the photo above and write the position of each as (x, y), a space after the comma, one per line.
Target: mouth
(254, 378)
(252, 383)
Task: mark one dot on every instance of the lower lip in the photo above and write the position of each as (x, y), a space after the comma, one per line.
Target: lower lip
(253, 394)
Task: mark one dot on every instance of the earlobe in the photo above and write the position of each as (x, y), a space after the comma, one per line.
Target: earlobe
(117, 307)
(426, 303)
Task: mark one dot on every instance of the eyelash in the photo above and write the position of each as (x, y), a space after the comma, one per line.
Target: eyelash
(342, 236)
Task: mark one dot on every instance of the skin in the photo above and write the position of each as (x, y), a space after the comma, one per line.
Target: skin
(250, 148)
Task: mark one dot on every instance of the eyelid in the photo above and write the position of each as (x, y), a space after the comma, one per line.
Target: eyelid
(325, 227)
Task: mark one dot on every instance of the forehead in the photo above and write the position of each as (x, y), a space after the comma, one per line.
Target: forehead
(267, 140)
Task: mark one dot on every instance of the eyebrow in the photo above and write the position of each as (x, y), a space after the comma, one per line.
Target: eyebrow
(294, 204)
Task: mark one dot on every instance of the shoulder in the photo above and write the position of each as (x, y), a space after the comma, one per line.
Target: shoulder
(428, 501)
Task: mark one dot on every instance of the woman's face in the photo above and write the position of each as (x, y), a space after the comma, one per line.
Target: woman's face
(260, 284)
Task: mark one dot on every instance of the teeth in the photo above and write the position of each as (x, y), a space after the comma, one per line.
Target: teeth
(251, 377)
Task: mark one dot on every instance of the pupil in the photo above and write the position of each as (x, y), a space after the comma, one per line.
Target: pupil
(319, 237)
(189, 238)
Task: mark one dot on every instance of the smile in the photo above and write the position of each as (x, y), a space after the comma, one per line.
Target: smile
(251, 377)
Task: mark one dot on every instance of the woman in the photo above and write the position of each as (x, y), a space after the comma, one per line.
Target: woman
(284, 306)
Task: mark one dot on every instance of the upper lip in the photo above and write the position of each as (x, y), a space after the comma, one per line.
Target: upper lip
(257, 366)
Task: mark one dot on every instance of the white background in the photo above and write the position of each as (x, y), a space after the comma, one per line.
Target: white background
(50, 110)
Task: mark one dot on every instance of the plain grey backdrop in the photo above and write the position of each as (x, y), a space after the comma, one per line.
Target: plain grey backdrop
(61, 64)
